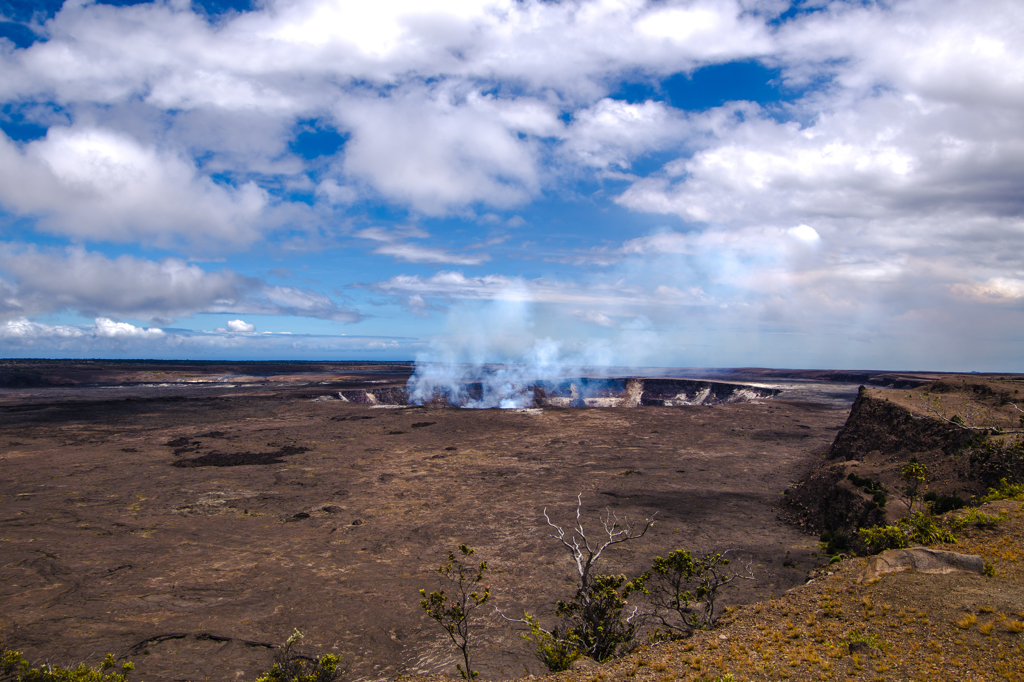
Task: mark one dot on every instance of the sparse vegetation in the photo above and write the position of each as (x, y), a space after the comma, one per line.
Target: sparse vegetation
(683, 590)
(16, 668)
(1005, 491)
(940, 504)
(597, 619)
(973, 517)
(291, 666)
(916, 529)
(915, 479)
(454, 613)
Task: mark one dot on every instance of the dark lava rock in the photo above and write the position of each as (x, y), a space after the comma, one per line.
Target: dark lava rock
(234, 459)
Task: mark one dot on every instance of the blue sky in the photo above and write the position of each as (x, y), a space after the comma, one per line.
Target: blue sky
(670, 183)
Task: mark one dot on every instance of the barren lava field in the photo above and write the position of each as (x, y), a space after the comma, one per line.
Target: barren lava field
(190, 531)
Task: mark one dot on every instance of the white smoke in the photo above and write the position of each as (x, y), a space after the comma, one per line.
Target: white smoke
(493, 354)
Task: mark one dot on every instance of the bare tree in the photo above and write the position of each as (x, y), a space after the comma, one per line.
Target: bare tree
(584, 551)
(595, 620)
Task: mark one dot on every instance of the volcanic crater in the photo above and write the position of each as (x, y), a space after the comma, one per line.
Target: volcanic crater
(191, 528)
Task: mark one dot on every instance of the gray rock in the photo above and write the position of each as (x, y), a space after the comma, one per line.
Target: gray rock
(922, 560)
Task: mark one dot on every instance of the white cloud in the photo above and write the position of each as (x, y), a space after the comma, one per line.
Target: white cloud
(392, 245)
(92, 284)
(22, 328)
(436, 149)
(240, 326)
(117, 330)
(613, 132)
(448, 285)
(804, 233)
(288, 300)
(99, 184)
(103, 328)
(106, 338)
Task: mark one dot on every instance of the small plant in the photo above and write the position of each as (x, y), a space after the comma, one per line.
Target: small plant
(973, 517)
(15, 668)
(989, 569)
(915, 479)
(916, 529)
(871, 639)
(596, 616)
(683, 590)
(291, 666)
(1005, 491)
(454, 615)
(940, 504)
(557, 649)
(967, 622)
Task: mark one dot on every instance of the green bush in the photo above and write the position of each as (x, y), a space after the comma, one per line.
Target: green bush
(973, 517)
(1005, 491)
(290, 666)
(15, 668)
(940, 504)
(915, 480)
(454, 613)
(597, 619)
(684, 589)
(557, 649)
(916, 529)
(835, 542)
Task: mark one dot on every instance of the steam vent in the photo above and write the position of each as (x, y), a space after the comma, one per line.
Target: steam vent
(580, 392)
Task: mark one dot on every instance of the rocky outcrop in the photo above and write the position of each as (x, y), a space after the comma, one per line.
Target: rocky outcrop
(882, 428)
(922, 560)
(826, 500)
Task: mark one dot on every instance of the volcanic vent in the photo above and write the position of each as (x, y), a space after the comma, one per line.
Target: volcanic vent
(576, 392)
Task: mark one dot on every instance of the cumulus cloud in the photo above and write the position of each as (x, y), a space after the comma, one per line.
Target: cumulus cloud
(109, 339)
(887, 186)
(92, 284)
(410, 83)
(436, 149)
(121, 330)
(102, 184)
(240, 326)
(611, 133)
(103, 328)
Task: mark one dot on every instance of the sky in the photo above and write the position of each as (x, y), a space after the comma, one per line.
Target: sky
(723, 183)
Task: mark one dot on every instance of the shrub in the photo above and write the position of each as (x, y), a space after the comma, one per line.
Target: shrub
(835, 542)
(683, 590)
(557, 649)
(915, 478)
(14, 667)
(291, 666)
(467, 596)
(940, 504)
(916, 529)
(1005, 491)
(596, 618)
(973, 517)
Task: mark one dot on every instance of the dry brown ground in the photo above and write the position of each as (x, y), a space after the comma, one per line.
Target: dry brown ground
(957, 627)
(344, 510)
